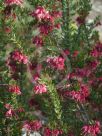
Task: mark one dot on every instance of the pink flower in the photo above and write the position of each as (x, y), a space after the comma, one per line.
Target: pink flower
(80, 20)
(18, 56)
(81, 95)
(32, 125)
(82, 72)
(71, 76)
(99, 47)
(40, 88)
(45, 29)
(10, 113)
(26, 125)
(56, 14)
(97, 51)
(35, 125)
(14, 89)
(13, 2)
(93, 64)
(56, 132)
(8, 30)
(57, 26)
(33, 65)
(38, 41)
(94, 53)
(25, 59)
(40, 13)
(35, 77)
(56, 62)
(39, 68)
(20, 110)
(92, 130)
(7, 106)
(75, 54)
(47, 132)
(67, 52)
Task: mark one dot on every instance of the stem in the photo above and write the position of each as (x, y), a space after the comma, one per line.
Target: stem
(86, 34)
(4, 84)
(65, 22)
(85, 115)
(21, 69)
(64, 10)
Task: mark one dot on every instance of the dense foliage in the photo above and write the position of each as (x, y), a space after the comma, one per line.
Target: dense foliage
(50, 68)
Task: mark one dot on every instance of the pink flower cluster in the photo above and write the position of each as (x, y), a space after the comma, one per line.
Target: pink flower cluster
(92, 130)
(81, 95)
(95, 82)
(93, 64)
(46, 23)
(56, 62)
(82, 72)
(32, 125)
(97, 50)
(14, 89)
(18, 56)
(10, 113)
(49, 132)
(40, 13)
(14, 2)
(38, 41)
(86, 72)
(56, 14)
(13, 61)
(80, 20)
(45, 29)
(36, 77)
(40, 88)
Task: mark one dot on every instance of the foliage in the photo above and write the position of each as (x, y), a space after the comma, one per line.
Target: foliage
(50, 68)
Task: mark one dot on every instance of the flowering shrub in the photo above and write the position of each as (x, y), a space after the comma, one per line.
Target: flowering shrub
(50, 68)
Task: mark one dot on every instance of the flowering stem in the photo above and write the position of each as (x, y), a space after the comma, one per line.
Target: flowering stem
(65, 22)
(54, 98)
(64, 10)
